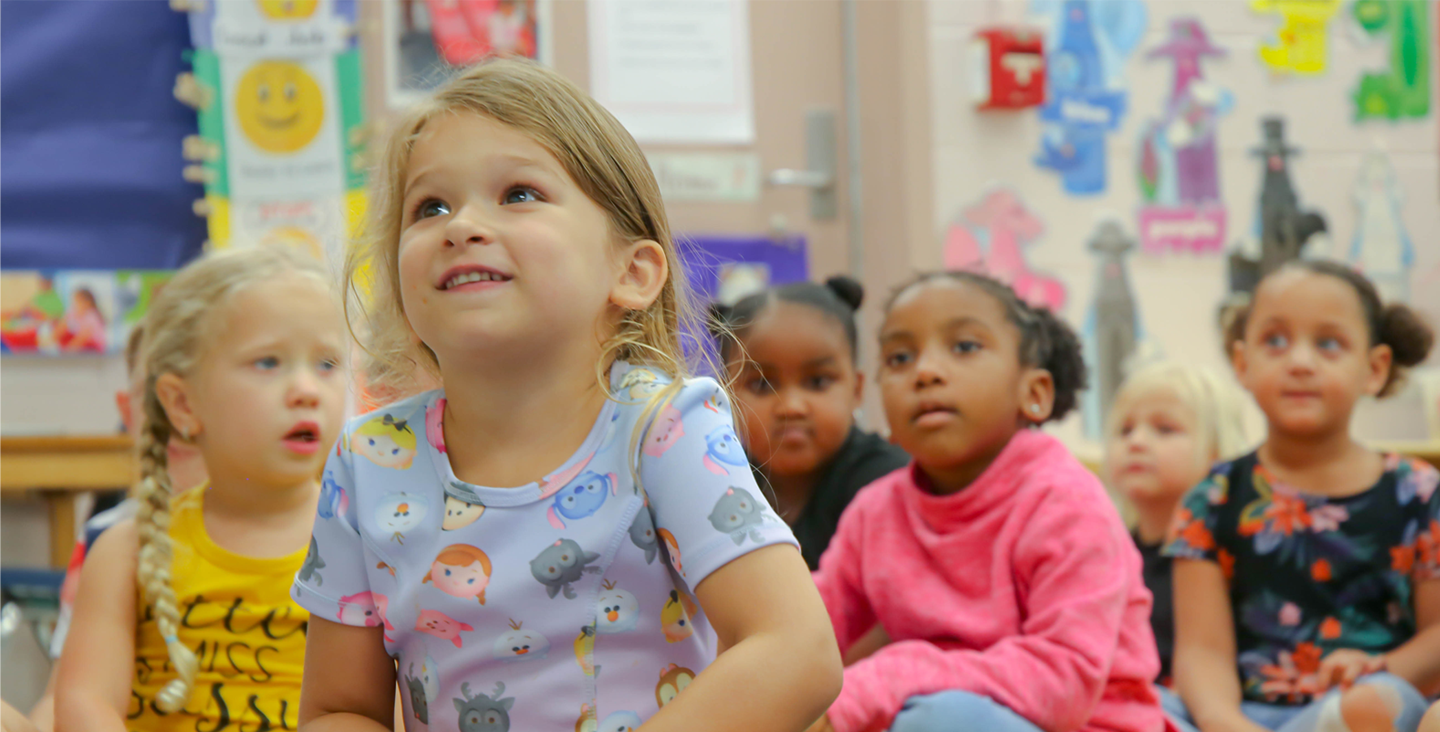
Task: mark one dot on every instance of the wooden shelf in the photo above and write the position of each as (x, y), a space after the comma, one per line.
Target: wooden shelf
(59, 469)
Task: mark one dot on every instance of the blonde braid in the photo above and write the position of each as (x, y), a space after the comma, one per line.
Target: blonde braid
(152, 521)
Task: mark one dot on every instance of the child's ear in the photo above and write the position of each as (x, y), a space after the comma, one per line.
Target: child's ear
(1381, 358)
(643, 272)
(174, 395)
(1037, 395)
(859, 386)
(122, 403)
(1238, 361)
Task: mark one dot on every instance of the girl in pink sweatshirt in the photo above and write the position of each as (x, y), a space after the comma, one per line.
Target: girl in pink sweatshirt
(994, 565)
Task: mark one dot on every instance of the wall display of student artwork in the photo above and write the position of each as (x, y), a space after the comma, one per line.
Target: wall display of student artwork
(1301, 44)
(1086, 47)
(1381, 248)
(1112, 325)
(990, 236)
(73, 312)
(1282, 228)
(1179, 165)
(278, 91)
(428, 41)
(1403, 90)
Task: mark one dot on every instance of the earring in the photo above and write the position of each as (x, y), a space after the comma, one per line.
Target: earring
(1035, 409)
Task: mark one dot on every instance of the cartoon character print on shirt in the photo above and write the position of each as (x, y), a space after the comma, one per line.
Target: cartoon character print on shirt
(481, 713)
(664, 433)
(585, 650)
(582, 499)
(424, 688)
(620, 722)
(723, 448)
(642, 533)
(310, 569)
(562, 563)
(519, 644)
(442, 626)
(673, 680)
(399, 513)
(333, 501)
(738, 514)
(640, 383)
(365, 609)
(385, 441)
(459, 513)
(616, 610)
(587, 722)
(672, 550)
(434, 425)
(675, 617)
(460, 570)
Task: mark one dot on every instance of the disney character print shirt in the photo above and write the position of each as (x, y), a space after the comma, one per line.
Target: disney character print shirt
(1311, 574)
(563, 604)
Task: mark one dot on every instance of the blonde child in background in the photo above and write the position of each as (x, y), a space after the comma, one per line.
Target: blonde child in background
(183, 619)
(996, 566)
(1169, 423)
(525, 543)
(186, 469)
(1307, 573)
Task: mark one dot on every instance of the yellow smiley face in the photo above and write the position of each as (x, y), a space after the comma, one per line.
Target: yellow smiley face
(287, 9)
(279, 106)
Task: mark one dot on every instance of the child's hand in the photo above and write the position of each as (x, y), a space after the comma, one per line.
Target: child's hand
(1341, 668)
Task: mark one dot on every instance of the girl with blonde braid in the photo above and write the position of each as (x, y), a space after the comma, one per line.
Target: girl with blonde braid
(183, 618)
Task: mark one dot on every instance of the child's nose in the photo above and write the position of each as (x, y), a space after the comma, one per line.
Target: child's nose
(469, 225)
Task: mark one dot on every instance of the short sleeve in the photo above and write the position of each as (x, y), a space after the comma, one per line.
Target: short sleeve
(334, 572)
(1192, 531)
(707, 507)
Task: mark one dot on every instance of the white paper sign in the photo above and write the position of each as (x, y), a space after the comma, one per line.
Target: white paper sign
(707, 176)
(675, 71)
(282, 128)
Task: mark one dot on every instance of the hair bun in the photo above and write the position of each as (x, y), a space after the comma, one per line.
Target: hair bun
(847, 289)
(1408, 337)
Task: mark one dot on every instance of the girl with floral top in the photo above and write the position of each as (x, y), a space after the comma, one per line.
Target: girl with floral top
(1307, 580)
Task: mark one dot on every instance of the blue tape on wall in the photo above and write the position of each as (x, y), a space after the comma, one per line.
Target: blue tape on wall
(91, 136)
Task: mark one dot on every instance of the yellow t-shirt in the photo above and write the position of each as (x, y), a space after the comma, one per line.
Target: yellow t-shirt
(237, 616)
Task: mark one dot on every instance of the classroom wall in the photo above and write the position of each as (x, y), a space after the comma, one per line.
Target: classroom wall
(1177, 294)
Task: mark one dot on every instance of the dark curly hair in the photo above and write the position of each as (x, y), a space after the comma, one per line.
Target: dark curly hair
(1395, 325)
(838, 298)
(1046, 342)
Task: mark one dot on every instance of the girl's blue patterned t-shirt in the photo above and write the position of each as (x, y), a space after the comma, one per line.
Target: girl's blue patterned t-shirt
(563, 604)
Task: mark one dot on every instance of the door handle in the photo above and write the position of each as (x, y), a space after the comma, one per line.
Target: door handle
(819, 175)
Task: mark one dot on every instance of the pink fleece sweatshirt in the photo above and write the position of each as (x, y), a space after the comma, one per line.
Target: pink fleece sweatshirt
(1023, 587)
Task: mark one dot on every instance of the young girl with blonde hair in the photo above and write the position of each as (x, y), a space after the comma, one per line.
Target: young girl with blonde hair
(521, 253)
(183, 619)
(1170, 422)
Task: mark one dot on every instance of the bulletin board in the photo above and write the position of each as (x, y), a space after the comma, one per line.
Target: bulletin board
(1184, 161)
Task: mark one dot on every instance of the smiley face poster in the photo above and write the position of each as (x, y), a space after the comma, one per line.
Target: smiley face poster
(282, 127)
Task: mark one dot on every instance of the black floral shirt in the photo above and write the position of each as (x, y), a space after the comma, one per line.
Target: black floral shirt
(1312, 574)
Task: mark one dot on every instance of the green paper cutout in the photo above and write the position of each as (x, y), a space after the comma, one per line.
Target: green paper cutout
(211, 121)
(350, 92)
(1402, 92)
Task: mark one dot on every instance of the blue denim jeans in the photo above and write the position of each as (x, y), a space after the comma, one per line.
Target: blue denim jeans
(958, 711)
(1303, 717)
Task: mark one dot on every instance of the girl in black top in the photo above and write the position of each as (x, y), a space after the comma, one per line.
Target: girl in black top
(790, 354)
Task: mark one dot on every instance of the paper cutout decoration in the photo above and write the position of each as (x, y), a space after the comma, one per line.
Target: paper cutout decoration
(1179, 168)
(1402, 92)
(1283, 228)
(1381, 248)
(1112, 327)
(1302, 43)
(1085, 53)
(989, 237)
(73, 312)
(1009, 68)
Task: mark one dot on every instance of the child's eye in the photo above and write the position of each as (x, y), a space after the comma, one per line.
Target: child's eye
(1166, 429)
(1277, 341)
(1329, 344)
(759, 386)
(820, 383)
(966, 347)
(521, 194)
(267, 363)
(329, 364)
(897, 359)
(1126, 429)
(431, 207)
